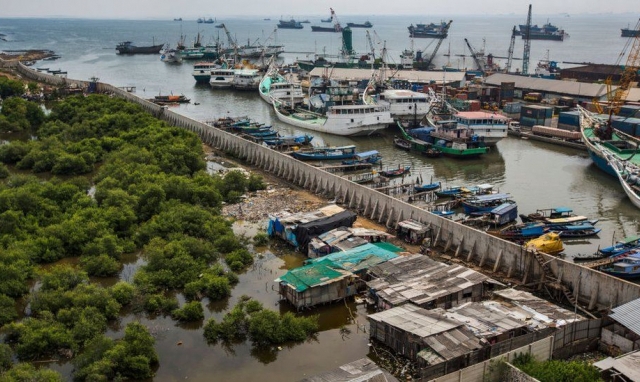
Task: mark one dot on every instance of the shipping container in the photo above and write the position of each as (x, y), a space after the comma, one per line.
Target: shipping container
(512, 107)
(629, 111)
(571, 118)
(536, 111)
(507, 85)
(530, 122)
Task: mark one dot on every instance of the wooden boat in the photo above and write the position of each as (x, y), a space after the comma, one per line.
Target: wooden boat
(484, 203)
(365, 177)
(427, 187)
(371, 156)
(451, 191)
(549, 243)
(397, 172)
(628, 174)
(326, 153)
(432, 152)
(169, 99)
(551, 213)
(521, 231)
(575, 230)
(402, 143)
(627, 268)
(290, 140)
(502, 214)
(625, 245)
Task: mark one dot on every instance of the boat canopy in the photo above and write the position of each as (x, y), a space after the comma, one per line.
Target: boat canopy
(571, 219)
(334, 148)
(577, 227)
(367, 154)
(490, 197)
(630, 239)
(563, 210)
(485, 186)
(504, 208)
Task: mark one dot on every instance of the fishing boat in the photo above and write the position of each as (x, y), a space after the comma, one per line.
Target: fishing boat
(549, 213)
(171, 56)
(222, 78)
(503, 214)
(127, 47)
(364, 177)
(400, 171)
(326, 153)
(549, 243)
(627, 268)
(451, 191)
(621, 246)
(371, 156)
(275, 85)
(246, 79)
(430, 30)
(404, 103)
(517, 232)
(345, 120)
(484, 203)
(426, 187)
(290, 140)
(489, 127)
(402, 144)
(170, 99)
(366, 24)
(290, 24)
(202, 71)
(628, 175)
(446, 137)
(575, 230)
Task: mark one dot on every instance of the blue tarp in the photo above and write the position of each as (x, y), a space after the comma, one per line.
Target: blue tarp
(356, 259)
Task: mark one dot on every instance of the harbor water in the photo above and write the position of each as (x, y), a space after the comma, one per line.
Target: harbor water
(538, 175)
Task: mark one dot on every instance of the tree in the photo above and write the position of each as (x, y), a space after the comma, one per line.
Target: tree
(8, 311)
(25, 372)
(191, 311)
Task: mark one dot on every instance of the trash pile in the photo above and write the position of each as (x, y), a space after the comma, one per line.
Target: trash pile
(259, 205)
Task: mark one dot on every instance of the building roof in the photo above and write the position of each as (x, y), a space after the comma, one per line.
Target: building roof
(418, 279)
(356, 259)
(571, 88)
(535, 311)
(417, 76)
(312, 275)
(484, 319)
(628, 365)
(628, 315)
(446, 339)
(362, 370)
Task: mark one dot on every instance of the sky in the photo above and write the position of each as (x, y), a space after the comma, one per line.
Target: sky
(192, 9)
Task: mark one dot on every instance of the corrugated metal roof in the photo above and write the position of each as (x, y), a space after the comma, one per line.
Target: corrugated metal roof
(362, 370)
(540, 312)
(418, 279)
(415, 320)
(628, 315)
(417, 76)
(484, 319)
(577, 89)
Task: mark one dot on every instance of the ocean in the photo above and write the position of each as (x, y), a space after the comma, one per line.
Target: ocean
(538, 175)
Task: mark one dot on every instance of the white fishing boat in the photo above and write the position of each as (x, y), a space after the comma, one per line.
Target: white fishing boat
(628, 174)
(222, 78)
(405, 103)
(171, 56)
(275, 86)
(345, 120)
(246, 79)
(202, 71)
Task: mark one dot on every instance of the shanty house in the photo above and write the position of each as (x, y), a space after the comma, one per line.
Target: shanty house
(315, 284)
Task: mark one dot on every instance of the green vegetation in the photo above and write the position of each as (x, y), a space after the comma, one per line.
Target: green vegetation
(557, 371)
(260, 239)
(264, 327)
(106, 179)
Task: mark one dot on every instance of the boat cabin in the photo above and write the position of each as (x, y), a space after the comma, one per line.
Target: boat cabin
(405, 103)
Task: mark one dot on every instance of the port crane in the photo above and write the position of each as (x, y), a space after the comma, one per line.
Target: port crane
(616, 97)
(527, 44)
(512, 44)
(232, 42)
(336, 23)
(373, 50)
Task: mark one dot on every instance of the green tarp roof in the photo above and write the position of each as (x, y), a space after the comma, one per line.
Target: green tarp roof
(307, 276)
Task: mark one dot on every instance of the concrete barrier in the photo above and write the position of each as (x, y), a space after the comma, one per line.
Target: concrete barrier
(591, 288)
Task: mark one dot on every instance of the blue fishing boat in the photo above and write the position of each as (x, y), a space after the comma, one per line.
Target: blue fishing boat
(326, 153)
(451, 191)
(484, 203)
(372, 156)
(290, 140)
(627, 268)
(575, 230)
(504, 213)
(427, 187)
(521, 231)
(400, 171)
(625, 245)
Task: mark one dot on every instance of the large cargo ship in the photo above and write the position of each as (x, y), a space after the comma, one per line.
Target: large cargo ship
(290, 24)
(127, 47)
(546, 32)
(431, 30)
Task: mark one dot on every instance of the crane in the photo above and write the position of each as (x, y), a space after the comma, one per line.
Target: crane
(445, 30)
(475, 55)
(527, 44)
(616, 97)
(232, 42)
(336, 23)
(507, 69)
(373, 50)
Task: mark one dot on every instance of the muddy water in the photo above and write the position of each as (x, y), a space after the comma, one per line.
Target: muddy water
(185, 355)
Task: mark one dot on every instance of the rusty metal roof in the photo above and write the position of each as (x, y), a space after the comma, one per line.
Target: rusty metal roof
(571, 88)
(628, 315)
(362, 370)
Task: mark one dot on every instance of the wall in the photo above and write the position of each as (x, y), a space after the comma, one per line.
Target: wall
(594, 289)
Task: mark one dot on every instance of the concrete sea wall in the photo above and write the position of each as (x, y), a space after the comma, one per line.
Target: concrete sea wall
(592, 289)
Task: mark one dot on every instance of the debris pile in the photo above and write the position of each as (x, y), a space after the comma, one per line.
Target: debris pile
(259, 205)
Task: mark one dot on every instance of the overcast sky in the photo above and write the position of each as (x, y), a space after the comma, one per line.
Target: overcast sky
(191, 9)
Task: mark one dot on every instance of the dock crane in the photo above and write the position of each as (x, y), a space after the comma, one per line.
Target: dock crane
(232, 42)
(512, 44)
(373, 50)
(336, 23)
(527, 44)
(616, 97)
(475, 56)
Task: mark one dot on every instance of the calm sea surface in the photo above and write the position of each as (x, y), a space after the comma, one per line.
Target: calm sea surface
(538, 175)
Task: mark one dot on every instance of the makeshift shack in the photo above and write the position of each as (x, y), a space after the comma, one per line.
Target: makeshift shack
(315, 284)
(343, 239)
(413, 231)
(425, 282)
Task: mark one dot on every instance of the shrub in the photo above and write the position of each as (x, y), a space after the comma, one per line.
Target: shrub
(123, 292)
(7, 309)
(260, 239)
(191, 311)
(160, 304)
(239, 259)
(101, 266)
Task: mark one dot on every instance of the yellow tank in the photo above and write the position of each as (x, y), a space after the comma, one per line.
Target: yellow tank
(548, 243)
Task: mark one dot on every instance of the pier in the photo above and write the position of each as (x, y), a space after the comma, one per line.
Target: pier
(586, 288)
